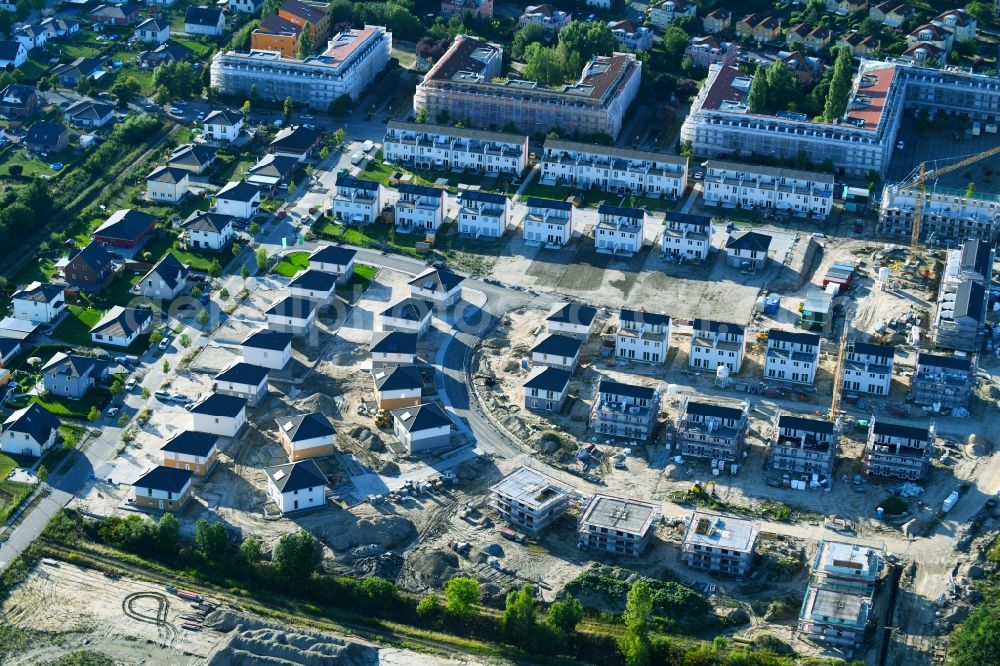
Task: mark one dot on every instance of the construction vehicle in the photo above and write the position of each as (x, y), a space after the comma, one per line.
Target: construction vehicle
(920, 185)
(707, 488)
(382, 419)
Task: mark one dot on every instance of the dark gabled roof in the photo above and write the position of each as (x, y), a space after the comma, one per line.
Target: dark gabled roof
(717, 326)
(411, 309)
(168, 51)
(168, 174)
(202, 16)
(223, 117)
(9, 49)
(77, 68)
(44, 132)
(93, 255)
(559, 345)
(393, 342)
(210, 222)
(641, 317)
(896, 430)
(688, 218)
(438, 280)
(167, 479)
(808, 425)
(420, 190)
(17, 96)
(422, 417)
(276, 25)
(400, 378)
(869, 349)
(152, 25)
(280, 166)
(969, 299)
(170, 270)
(535, 202)
(950, 362)
(749, 240)
(302, 10)
(36, 292)
(811, 339)
(34, 421)
(218, 404)
(333, 254)
(485, 197)
(239, 191)
(191, 443)
(296, 139)
(710, 409)
(73, 365)
(357, 183)
(8, 347)
(128, 225)
(314, 280)
(977, 255)
(87, 109)
(292, 306)
(122, 322)
(189, 154)
(627, 390)
(266, 339)
(294, 476)
(305, 426)
(243, 373)
(547, 378)
(632, 213)
(573, 313)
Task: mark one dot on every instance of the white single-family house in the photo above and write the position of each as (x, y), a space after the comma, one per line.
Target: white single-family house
(219, 414)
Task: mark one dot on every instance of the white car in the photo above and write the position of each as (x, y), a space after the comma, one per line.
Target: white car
(113, 411)
(899, 145)
(164, 343)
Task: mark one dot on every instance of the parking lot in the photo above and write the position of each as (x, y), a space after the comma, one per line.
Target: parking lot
(942, 146)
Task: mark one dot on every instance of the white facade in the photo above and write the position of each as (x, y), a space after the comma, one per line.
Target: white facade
(630, 36)
(663, 13)
(37, 302)
(419, 208)
(240, 207)
(556, 350)
(226, 426)
(296, 318)
(643, 337)
(747, 186)
(619, 229)
(687, 236)
(482, 214)
(408, 316)
(715, 343)
(19, 441)
(166, 185)
(152, 30)
(209, 29)
(223, 126)
(443, 147)
(357, 201)
(211, 239)
(791, 357)
(868, 368)
(274, 359)
(549, 222)
(613, 169)
(296, 500)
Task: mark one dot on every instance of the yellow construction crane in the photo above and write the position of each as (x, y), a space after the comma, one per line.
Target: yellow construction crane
(920, 183)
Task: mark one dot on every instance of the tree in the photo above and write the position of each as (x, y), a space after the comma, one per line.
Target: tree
(970, 190)
(145, 393)
(529, 33)
(378, 592)
(339, 135)
(287, 108)
(430, 607)
(254, 228)
(94, 414)
(292, 187)
(460, 594)
(545, 65)
(840, 86)
(564, 615)
(210, 540)
(982, 12)
(341, 106)
(588, 39)
(635, 648)
(252, 550)
(261, 258)
(244, 272)
(85, 85)
(6, 23)
(781, 86)
(203, 317)
(675, 41)
(421, 116)
(155, 337)
(324, 153)
(117, 388)
(123, 420)
(634, 643)
(687, 149)
(270, 8)
(297, 555)
(21, 10)
(518, 619)
(245, 109)
(215, 268)
(757, 99)
(224, 294)
(165, 366)
(185, 340)
(126, 89)
(168, 533)
(870, 26)
(304, 45)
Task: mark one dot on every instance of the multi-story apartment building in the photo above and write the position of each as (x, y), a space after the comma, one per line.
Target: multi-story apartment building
(759, 27)
(958, 22)
(613, 169)
(350, 62)
(720, 543)
(715, 430)
(802, 445)
(420, 208)
(625, 410)
(483, 214)
(892, 13)
(949, 217)
(637, 38)
(549, 222)
(664, 12)
(547, 16)
(945, 381)
(898, 451)
(962, 303)
(715, 343)
(480, 8)
(838, 605)
(619, 230)
(868, 368)
(642, 336)
(276, 34)
(686, 236)
(356, 200)
(791, 357)
(466, 84)
(708, 50)
(804, 193)
(619, 526)
(443, 147)
(529, 499)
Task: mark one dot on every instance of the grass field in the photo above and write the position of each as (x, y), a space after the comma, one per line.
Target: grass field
(34, 166)
(75, 328)
(559, 193)
(11, 496)
(120, 291)
(72, 409)
(292, 263)
(201, 261)
(200, 50)
(371, 235)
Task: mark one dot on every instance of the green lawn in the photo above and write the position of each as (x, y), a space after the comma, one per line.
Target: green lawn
(7, 464)
(378, 170)
(32, 70)
(120, 291)
(559, 193)
(200, 50)
(75, 328)
(33, 166)
(292, 264)
(80, 50)
(649, 203)
(72, 409)
(371, 235)
(158, 247)
(201, 261)
(40, 270)
(231, 167)
(363, 275)
(11, 496)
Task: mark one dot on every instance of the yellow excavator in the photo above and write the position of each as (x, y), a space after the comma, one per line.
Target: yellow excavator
(707, 488)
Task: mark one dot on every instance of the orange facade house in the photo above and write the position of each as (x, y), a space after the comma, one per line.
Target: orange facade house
(276, 34)
(307, 13)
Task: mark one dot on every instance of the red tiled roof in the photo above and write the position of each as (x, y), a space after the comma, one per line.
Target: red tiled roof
(722, 89)
(877, 92)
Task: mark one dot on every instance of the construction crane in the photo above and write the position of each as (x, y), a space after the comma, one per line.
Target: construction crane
(920, 184)
(838, 378)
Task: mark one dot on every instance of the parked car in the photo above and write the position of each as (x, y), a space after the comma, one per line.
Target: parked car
(130, 384)
(163, 396)
(164, 343)
(113, 411)
(181, 398)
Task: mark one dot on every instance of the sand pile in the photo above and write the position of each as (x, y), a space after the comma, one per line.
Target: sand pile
(386, 531)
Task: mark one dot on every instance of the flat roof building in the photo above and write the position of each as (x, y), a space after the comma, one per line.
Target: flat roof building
(620, 526)
(529, 499)
(716, 542)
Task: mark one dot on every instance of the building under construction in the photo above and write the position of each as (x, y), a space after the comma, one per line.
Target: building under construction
(960, 315)
(944, 382)
(619, 526)
(529, 499)
(898, 451)
(712, 429)
(716, 542)
(803, 446)
(837, 607)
